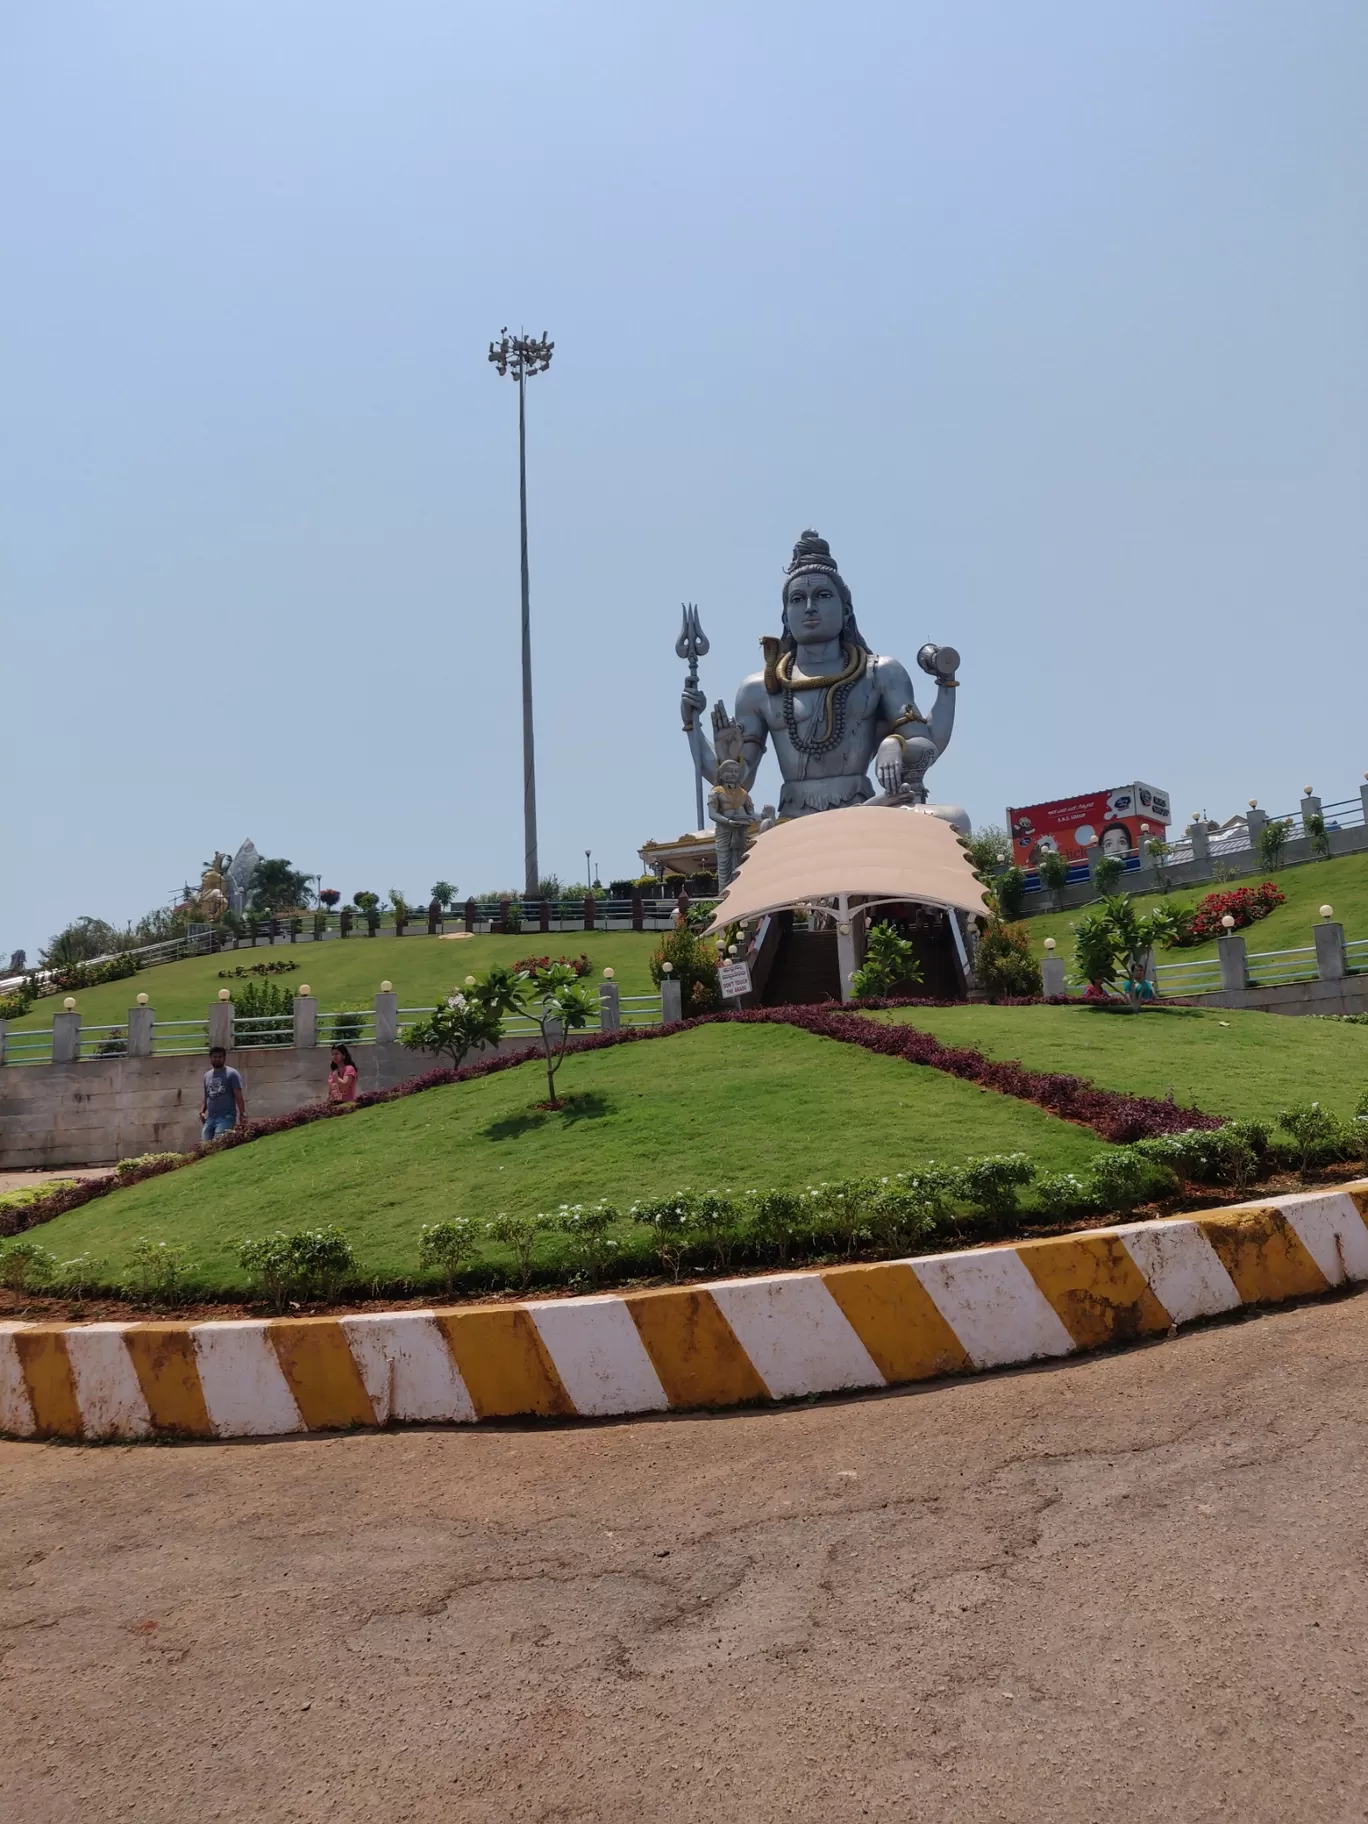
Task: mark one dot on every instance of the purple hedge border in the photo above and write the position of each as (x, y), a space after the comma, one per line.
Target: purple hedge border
(1112, 1114)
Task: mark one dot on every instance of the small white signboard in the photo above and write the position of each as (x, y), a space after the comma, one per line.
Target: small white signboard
(734, 980)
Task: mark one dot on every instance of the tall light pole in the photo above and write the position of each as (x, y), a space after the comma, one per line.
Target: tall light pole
(523, 356)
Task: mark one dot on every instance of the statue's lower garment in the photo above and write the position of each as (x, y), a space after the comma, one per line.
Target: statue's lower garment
(800, 797)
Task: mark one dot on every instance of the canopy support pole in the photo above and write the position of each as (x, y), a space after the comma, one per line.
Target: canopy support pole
(845, 944)
(960, 950)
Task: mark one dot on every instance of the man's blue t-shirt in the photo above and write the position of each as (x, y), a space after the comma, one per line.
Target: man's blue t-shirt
(220, 1092)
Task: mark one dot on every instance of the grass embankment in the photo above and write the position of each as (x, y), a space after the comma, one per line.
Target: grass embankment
(1341, 883)
(1238, 1064)
(742, 1107)
(344, 973)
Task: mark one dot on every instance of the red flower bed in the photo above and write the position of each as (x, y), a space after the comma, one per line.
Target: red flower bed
(1110, 1113)
(1244, 904)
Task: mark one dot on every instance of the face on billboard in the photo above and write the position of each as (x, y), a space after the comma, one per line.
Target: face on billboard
(1116, 841)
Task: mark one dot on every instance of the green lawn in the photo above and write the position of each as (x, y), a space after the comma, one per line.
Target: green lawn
(1341, 883)
(349, 973)
(735, 1107)
(1226, 1063)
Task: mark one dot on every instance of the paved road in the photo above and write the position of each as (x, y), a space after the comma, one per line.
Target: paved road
(1126, 1587)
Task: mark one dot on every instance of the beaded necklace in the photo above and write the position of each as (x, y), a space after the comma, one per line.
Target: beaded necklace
(835, 690)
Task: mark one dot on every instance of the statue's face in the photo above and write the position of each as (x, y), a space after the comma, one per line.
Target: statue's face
(729, 773)
(813, 608)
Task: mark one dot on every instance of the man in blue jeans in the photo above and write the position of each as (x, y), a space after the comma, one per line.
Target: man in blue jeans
(222, 1105)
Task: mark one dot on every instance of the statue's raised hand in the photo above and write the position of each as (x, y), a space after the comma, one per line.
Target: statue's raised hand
(888, 764)
(691, 706)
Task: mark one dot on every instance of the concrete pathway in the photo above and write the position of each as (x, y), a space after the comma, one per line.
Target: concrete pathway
(1130, 1586)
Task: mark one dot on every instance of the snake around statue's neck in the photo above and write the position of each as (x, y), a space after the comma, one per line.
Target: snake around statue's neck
(836, 686)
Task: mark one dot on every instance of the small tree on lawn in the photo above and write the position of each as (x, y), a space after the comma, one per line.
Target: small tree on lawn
(560, 1004)
(1272, 842)
(444, 893)
(1112, 945)
(471, 1019)
(1053, 870)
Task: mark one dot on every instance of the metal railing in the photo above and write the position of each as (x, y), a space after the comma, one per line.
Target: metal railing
(263, 1029)
(30, 1046)
(173, 1038)
(640, 1009)
(1356, 956)
(1200, 977)
(348, 1026)
(104, 1041)
(1268, 968)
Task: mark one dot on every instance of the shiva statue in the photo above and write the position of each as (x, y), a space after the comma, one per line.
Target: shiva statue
(832, 706)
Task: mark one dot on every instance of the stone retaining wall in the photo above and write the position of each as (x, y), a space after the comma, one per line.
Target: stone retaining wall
(105, 1109)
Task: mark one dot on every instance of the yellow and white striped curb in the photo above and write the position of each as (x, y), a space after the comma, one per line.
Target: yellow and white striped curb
(774, 1337)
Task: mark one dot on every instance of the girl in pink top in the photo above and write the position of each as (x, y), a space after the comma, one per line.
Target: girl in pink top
(342, 1076)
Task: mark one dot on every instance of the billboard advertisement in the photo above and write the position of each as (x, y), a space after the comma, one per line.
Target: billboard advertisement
(1074, 826)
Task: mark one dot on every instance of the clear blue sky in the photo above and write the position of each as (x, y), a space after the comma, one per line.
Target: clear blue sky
(1051, 317)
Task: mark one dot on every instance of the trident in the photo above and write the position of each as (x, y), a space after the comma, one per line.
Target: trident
(692, 644)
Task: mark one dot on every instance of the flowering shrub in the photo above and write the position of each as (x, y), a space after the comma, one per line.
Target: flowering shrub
(291, 1268)
(534, 965)
(585, 1227)
(448, 1246)
(25, 1267)
(1244, 904)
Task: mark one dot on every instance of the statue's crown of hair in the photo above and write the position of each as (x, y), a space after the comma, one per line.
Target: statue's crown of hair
(812, 552)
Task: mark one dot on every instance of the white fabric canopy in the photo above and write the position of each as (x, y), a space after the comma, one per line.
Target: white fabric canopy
(867, 851)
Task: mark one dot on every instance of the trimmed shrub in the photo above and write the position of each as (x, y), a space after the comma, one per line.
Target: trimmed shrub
(448, 1247)
(520, 1234)
(1317, 1135)
(1064, 1194)
(293, 1269)
(26, 1267)
(694, 967)
(157, 1272)
(990, 1185)
(1003, 964)
(1124, 1179)
(585, 1227)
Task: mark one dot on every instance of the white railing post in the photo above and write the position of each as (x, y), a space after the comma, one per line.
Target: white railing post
(221, 1025)
(140, 1031)
(387, 1018)
(610, 1008)
(66, 1037)
(305, 1020)
(671, 1001)
(1234, 964)
(1054, 977)
(1332, 965)
(1200, 838)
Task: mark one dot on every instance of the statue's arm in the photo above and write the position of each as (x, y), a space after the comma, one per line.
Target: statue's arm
(750, 713)
(897, 698)
(691, 706)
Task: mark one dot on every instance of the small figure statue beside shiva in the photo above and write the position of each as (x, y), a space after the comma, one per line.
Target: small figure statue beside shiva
(833, 707)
